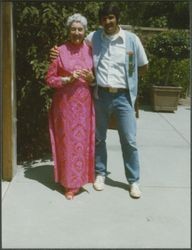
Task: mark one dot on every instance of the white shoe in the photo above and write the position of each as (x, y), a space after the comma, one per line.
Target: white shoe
(99, 182)
(134, 190)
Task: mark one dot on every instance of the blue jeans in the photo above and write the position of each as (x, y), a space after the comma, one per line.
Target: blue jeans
(119, 104)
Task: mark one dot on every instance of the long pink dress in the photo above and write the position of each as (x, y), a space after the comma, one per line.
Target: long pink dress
(72, 118)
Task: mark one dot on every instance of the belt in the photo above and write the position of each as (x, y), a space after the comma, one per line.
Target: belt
(113, 90)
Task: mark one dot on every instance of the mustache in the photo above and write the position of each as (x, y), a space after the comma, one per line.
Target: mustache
(76, 37)
(109, 25)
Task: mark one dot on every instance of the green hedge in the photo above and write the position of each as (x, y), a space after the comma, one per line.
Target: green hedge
(168, 52)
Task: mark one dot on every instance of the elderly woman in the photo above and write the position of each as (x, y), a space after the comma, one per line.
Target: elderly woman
(71, 116)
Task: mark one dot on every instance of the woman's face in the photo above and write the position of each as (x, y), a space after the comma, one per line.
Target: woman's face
(76, 33)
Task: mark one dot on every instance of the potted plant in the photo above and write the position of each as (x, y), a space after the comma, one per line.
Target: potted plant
(167, 47)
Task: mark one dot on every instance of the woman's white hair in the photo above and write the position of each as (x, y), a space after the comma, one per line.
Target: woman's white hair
(77, 18)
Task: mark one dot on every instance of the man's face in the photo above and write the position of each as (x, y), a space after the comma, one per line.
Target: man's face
(109, 24)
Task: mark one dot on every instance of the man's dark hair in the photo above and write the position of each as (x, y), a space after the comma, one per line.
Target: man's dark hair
(108, 9)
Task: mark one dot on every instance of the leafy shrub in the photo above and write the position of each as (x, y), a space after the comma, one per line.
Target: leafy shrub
(168, 47)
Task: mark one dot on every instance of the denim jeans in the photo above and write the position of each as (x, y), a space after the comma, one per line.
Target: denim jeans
(119, 104)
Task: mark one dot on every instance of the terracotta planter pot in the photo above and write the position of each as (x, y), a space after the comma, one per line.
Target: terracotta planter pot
(165, 98)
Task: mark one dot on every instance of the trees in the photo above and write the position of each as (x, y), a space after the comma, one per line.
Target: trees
(173, 46)
(171, 14)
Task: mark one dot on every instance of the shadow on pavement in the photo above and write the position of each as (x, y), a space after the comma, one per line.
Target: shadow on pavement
(44, 174)
(112, 183)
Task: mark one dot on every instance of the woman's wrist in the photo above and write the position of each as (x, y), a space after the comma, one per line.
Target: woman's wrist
(66, 79)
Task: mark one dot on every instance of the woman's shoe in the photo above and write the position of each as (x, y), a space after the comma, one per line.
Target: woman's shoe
(70, 193)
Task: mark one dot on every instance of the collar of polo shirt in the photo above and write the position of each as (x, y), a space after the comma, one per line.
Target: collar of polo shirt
(120, 35)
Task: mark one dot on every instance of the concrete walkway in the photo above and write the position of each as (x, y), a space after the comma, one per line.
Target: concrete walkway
(35, 213)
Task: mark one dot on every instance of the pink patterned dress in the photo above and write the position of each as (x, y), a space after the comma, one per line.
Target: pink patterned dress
(72, 118)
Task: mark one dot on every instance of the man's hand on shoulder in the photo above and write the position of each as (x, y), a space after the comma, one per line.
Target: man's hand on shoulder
(88, 38)
(53, 53)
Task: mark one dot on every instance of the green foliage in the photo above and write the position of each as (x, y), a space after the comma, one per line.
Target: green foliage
(156, 75)
(173, 45)
(168, 48)
(171, 14)
(158, 22)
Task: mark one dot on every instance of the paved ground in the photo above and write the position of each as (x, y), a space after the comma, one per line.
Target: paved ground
(35, 213)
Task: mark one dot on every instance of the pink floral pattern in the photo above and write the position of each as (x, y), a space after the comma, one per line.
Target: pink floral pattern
(72, 118)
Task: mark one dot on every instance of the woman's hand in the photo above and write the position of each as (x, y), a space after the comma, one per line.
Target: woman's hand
(75, 75)
(87, 75)
(70, 79)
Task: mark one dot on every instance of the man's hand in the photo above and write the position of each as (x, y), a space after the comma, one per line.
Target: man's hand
(54, 52)
(143, 69)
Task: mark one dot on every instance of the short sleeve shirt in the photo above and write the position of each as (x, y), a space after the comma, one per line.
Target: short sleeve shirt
(111, 68)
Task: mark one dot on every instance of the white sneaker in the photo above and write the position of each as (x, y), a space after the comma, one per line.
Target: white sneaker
(134, 190)
(99, 182)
